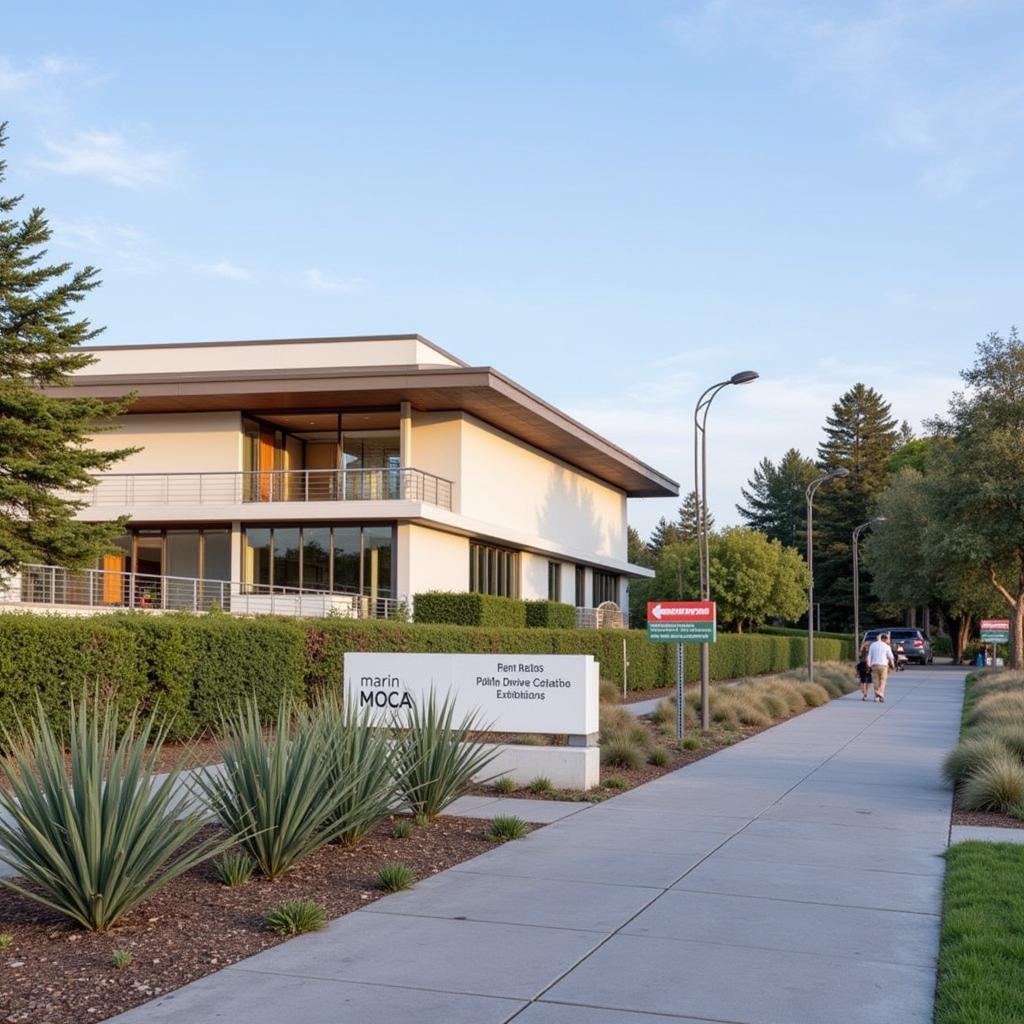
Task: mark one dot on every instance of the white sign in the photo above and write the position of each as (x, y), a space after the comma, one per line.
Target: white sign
(541, 693)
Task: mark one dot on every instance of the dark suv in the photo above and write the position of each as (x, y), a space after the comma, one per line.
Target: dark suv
(916, 646)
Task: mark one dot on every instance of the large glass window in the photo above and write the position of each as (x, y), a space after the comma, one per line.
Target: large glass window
(183, 553)
(554, 581)
(345, 559)
(606, 587)
(287, 557)
(581, 586)
(493, 570)
(217, 554)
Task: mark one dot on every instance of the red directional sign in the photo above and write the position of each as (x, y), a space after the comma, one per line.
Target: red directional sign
(680, 622)
(995, 630)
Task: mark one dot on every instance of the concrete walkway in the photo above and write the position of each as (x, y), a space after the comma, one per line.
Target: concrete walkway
(792, 879)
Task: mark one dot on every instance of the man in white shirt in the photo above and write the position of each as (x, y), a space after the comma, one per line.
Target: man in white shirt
(880, 660)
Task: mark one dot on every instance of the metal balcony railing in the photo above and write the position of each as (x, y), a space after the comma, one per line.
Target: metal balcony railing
(234, 488)
(106, 589)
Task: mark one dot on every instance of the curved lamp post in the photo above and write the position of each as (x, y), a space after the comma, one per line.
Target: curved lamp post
(835, 474)
(700, 490)
(856, 578)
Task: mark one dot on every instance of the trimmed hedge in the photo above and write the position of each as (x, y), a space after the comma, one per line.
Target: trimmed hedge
(191, 667)
(790, 631)
(187, 667)
(551, 614)
(449, 608)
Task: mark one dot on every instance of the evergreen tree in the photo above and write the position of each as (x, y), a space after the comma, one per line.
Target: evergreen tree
(45, 454)
(776, 502)
(663, 534)
(688, 523)
(637, 551)
(860, 436)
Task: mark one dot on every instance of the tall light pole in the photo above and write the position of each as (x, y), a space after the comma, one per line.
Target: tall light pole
(835, 474)
(700, 490)
(856, 578)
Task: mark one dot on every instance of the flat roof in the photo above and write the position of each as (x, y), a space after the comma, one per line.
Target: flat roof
(445, 383)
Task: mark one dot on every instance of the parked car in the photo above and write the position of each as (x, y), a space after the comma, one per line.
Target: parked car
(913, 643)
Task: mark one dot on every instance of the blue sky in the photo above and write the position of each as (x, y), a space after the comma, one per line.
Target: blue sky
(615, 203)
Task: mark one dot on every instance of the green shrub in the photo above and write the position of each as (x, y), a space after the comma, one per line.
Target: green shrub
(234, 868)
(505, 827)
(541, 784)
(620, 753)
(690, 743)
(609, 692)
(403, 828)
(394, 877)
(458, 609)
(774, 704)
(359, 770)
(659, 757)
(295, 917)
(550, 615)
(997, 784)
(95, 845)
(6, 941)
(121, 959)
(506, 784)
(272, 794)
(615, 782)
(1011, 735)
(814, 694)
(436, 760)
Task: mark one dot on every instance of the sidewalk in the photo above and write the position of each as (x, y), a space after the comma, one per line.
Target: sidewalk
(792, 879)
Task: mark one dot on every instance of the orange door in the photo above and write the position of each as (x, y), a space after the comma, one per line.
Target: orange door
(113, 581)
(266, 464)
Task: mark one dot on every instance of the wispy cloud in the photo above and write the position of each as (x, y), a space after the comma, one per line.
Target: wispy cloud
(224, 269)
(111, 157)
(116, 247)
(19, 77)
(319, 281)
(898, 62)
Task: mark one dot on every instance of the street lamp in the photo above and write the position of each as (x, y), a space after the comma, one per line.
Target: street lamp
(856, 578)
(835, 474)
(700, 490)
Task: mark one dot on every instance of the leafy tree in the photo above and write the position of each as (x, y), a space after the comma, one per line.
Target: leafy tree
(907, 562)
(775, 498)
(912, 454)
(45, 452)
(860, 436)
(982, 474)
(753, 579)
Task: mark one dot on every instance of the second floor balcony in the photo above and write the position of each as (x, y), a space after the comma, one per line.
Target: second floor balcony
(301, 485)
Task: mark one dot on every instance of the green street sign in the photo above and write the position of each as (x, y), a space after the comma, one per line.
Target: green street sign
(681, 632)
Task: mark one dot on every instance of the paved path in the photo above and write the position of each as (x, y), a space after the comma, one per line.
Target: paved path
(792, 879)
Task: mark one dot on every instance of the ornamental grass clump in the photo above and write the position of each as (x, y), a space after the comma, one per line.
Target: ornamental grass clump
(295, 917)
(995, 785)
(814, 694)
(96, 842)
(436, 760)
(234, 868)
(621, 753)
(395, 876)
(506, 784)
(273, 794)
(506, 827)
(969, 755)
(659, 757)
(541, 784)
(997, 708)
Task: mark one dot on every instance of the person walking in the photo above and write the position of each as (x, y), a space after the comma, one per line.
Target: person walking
(880, 660)
(863, 670)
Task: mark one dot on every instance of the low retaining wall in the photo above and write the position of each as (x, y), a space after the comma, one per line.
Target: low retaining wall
(566, 767)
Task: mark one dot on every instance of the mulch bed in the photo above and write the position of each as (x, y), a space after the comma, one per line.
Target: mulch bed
(55, 973)
(993, 819)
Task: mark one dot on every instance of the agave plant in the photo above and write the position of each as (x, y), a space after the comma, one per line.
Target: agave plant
(273, 793)
(360, 775)
(96, 844)
(434, 759)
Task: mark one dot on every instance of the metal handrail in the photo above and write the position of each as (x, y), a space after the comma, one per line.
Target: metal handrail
(115, 589)
(254, 486)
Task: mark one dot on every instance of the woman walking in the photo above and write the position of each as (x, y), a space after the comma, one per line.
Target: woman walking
(863, 670)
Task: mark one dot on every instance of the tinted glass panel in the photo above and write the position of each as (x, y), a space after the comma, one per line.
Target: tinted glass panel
(257, 555)
(286, 556)
(217, 554)
(377, 561)
(316, 557)
(346, 558)
(183, 553)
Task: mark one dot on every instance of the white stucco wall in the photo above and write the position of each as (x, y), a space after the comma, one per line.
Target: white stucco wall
(430, 560)
(506, 482)
(177, 442)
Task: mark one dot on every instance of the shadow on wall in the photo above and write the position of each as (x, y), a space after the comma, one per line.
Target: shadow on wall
(570, 516)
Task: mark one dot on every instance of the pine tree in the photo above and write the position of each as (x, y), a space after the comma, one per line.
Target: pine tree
(663, 534)
(775, 496)
(45, 454)
(637, 551)
(688, 523)
(860, 436)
